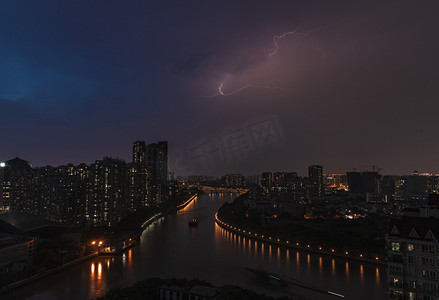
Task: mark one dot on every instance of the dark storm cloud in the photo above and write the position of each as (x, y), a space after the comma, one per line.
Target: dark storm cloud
(83, 79)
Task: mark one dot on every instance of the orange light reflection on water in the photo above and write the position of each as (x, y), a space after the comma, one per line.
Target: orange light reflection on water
(99, 271)
(189, 207)
(361, 272)
(92, 270)
(269, 252)
(333, 266)
(320, 265)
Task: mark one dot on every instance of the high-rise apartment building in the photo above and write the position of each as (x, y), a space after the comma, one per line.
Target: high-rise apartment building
(157, 165)
(139, 152)
(315, 177)
(138, 178)
(267, 180)
(107, 191)
(413, 253)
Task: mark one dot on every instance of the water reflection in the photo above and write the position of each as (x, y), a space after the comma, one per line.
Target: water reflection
(228, 255)
(92, 270)
(96, 282)
(333, 266)
(99, 271)
(269, 253)
(361, 273)
(320, 265)
(308, 262)
(280, 256)
(189, 207)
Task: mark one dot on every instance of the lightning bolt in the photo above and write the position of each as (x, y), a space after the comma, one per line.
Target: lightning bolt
(278, 37)
(255, 85)
(262, 85)
(220, 89)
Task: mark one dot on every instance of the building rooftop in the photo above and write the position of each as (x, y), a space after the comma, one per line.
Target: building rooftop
(7, 228)
(422, 226)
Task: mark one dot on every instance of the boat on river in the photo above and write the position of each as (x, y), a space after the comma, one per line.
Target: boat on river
(194, 222)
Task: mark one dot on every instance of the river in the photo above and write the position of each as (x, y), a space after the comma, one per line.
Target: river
(170, 248)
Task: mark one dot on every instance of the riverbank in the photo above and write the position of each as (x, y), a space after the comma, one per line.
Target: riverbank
(66, 265)
(46, 273)
(292, 244)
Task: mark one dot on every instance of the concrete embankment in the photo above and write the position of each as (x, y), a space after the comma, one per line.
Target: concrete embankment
(293, 245)
(93, 255)
(46, 273)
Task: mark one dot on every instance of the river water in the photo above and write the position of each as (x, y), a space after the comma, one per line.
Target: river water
(170, 248)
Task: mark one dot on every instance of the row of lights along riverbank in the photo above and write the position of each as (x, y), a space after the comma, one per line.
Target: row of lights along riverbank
(285, 243)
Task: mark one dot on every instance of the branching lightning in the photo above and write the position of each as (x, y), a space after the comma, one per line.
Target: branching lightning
(262, 85)
(278, 37)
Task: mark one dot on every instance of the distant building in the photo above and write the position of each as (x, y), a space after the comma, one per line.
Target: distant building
(253, 180)
(291, 178)
(363, 182)
(315, 177)
(370, 182)
(387, 185)
(107, 191)
(416, 186)
(279, 179)
(267, 180)
(16, 193)
(139, 152)
(137, 173)
(234, 180)
(157, 164)
(335, 181)
(355, 182)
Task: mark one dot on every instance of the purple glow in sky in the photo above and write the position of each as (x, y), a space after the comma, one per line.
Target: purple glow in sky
(355, 85)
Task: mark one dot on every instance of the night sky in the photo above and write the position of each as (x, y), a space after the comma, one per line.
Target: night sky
(353, 83)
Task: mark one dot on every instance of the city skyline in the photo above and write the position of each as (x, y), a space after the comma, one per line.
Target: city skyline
(346, 83)
(303, 173)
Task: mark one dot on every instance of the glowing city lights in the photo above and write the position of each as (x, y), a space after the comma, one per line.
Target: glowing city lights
(285, 242)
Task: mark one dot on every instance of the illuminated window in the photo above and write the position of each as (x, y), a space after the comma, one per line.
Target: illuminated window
(396, 246)
(410, 247)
